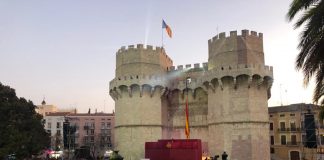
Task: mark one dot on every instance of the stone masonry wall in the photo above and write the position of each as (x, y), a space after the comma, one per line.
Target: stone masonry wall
(227, 98)
(246, 48)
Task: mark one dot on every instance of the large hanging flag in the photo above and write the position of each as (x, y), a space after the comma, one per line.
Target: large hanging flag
(187, 130)
(167, 28)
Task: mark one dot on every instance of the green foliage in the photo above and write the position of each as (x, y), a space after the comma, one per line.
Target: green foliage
(321, 115)
(116, 156)
(311, 56)
(21, 128)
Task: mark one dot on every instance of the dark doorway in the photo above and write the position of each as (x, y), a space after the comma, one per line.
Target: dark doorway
(294, 155)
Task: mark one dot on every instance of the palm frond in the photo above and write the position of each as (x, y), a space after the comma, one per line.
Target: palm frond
(297, 6)
(311, 56)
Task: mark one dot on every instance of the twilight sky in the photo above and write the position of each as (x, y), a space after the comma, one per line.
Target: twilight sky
(65, 50)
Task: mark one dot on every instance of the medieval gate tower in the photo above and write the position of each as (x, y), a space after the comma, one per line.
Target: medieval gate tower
(227, 98)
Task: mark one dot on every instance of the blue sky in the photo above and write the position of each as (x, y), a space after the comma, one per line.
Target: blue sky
(65, 50)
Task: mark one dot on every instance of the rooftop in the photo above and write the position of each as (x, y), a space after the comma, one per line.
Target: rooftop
(292, 108)
(91, 114)
(58, 113)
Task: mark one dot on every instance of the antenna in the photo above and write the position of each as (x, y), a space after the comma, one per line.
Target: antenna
(217, 30)
(104, 106)
(286, 97)
(280, 95)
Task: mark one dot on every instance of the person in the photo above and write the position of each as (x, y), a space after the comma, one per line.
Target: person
(224, 156)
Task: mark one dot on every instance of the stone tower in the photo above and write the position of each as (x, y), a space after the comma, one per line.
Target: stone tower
(227, 98)
(137, 89)
(239, 87)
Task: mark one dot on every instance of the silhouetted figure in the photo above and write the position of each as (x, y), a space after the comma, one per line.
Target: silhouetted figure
(215, 157)
(224, 156)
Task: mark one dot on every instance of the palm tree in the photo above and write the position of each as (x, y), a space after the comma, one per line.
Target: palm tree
(311, 56)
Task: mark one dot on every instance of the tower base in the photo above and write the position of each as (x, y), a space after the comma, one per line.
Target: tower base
(179, 149)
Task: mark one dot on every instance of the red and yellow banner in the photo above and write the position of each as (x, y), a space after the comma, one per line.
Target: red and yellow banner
(187, 129)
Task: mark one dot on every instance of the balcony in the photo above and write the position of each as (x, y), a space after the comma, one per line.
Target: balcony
(297, 129)
(293, 143)
(88, 140)
(103, 142)
(105, 127)
(105, 134)
(76, 135)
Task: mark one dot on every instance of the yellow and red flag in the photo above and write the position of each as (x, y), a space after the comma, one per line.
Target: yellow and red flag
(187, 130)
(167, 28)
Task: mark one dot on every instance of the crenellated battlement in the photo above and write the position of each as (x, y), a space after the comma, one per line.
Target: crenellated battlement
(149, 79)
(233, 34)
(177, 81)
(138, 47)
(234, 49)
(143, 48)
(224, 68)
(139, 59)
(232, 71)
(202, 66)
(243, 66)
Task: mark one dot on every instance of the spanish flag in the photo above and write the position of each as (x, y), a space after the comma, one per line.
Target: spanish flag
(187, 130)
(167, 28)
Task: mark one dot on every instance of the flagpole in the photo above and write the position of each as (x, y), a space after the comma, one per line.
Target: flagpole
(162, 35)
(187, 116)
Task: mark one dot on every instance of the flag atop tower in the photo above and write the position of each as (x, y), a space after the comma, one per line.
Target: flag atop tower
(167, 28)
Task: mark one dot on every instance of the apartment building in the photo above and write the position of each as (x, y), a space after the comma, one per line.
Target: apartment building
(94, 130)
(288, 133)
(54, 126)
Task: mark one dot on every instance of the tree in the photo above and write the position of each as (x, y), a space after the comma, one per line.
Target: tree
(57, 142)
(21, 128)
(95, 146)
(311, 56)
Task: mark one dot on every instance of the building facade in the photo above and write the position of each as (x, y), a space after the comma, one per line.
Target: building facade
(288, 133)
(227, 98)
(95, 130)
(54, 125)
(70, 131)
(45, 109)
